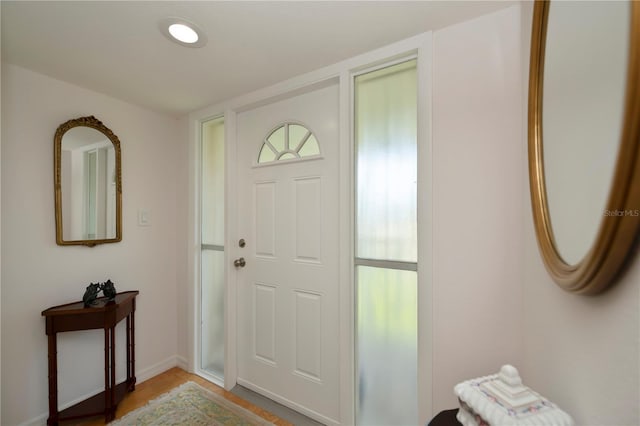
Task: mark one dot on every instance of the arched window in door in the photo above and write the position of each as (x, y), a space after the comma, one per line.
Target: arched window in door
(288, 141)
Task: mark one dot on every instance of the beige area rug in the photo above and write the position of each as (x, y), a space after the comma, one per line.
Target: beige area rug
(191, 404)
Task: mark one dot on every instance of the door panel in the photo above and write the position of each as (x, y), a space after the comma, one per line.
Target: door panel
(288, 306)
(264, 216)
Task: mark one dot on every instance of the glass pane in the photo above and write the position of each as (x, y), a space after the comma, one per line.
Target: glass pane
(266, 154)
(385, 132)
(287, 156)
(387, 345)
(296, 135)
(277, 139)
(212, 303)
(310, 147)
(213, 182)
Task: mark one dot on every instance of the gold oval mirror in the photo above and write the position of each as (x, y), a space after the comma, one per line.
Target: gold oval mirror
(87, 183)
(584, 86)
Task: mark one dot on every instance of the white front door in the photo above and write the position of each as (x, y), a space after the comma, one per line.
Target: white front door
(288, 290)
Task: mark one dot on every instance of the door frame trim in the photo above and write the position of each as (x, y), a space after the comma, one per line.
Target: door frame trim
(341, 73)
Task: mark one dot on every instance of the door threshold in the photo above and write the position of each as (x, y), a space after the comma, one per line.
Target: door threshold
(279, 410)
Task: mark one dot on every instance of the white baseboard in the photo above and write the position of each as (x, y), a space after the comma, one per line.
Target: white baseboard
(183, 363)
(158, 368)
(287, 403)
(141, 376)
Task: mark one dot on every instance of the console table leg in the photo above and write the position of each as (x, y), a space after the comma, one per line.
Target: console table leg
(132, 387)
(128, 351)
(112, 386)
(107, 394)
(53, 380)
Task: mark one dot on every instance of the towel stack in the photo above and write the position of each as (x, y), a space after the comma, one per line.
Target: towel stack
(502, 399)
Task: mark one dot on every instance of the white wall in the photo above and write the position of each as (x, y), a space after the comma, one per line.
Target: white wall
(37, 273)
(581, 352)
(182, 230)
(493, 299)
(478, 200)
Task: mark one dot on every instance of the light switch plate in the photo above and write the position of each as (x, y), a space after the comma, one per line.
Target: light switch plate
(144, 217)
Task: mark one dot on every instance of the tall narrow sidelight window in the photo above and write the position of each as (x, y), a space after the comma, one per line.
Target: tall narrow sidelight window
(212, 249)
(385, 121)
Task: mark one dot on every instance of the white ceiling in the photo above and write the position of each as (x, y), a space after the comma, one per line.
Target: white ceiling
(116, 47)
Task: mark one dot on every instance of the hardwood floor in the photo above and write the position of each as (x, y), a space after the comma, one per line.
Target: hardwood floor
(166, 381)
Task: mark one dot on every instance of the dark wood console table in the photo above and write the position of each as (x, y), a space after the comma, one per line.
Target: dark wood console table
(105, 315)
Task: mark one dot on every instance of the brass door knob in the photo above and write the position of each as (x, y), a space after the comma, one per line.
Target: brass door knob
(239, 263)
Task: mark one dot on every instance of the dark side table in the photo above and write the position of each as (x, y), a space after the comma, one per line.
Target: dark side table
(105, 315)
(445, 418)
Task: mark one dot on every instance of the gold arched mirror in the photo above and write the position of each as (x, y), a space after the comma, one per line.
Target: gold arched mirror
(87, 183)
(584, 104)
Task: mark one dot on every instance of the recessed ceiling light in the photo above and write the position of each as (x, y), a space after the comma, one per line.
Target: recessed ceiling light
(183, 32)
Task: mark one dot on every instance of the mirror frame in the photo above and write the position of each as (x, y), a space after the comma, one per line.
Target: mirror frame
(89, 121)
(616, 234)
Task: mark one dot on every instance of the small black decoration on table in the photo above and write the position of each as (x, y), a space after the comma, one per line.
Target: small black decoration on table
(91, 294)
